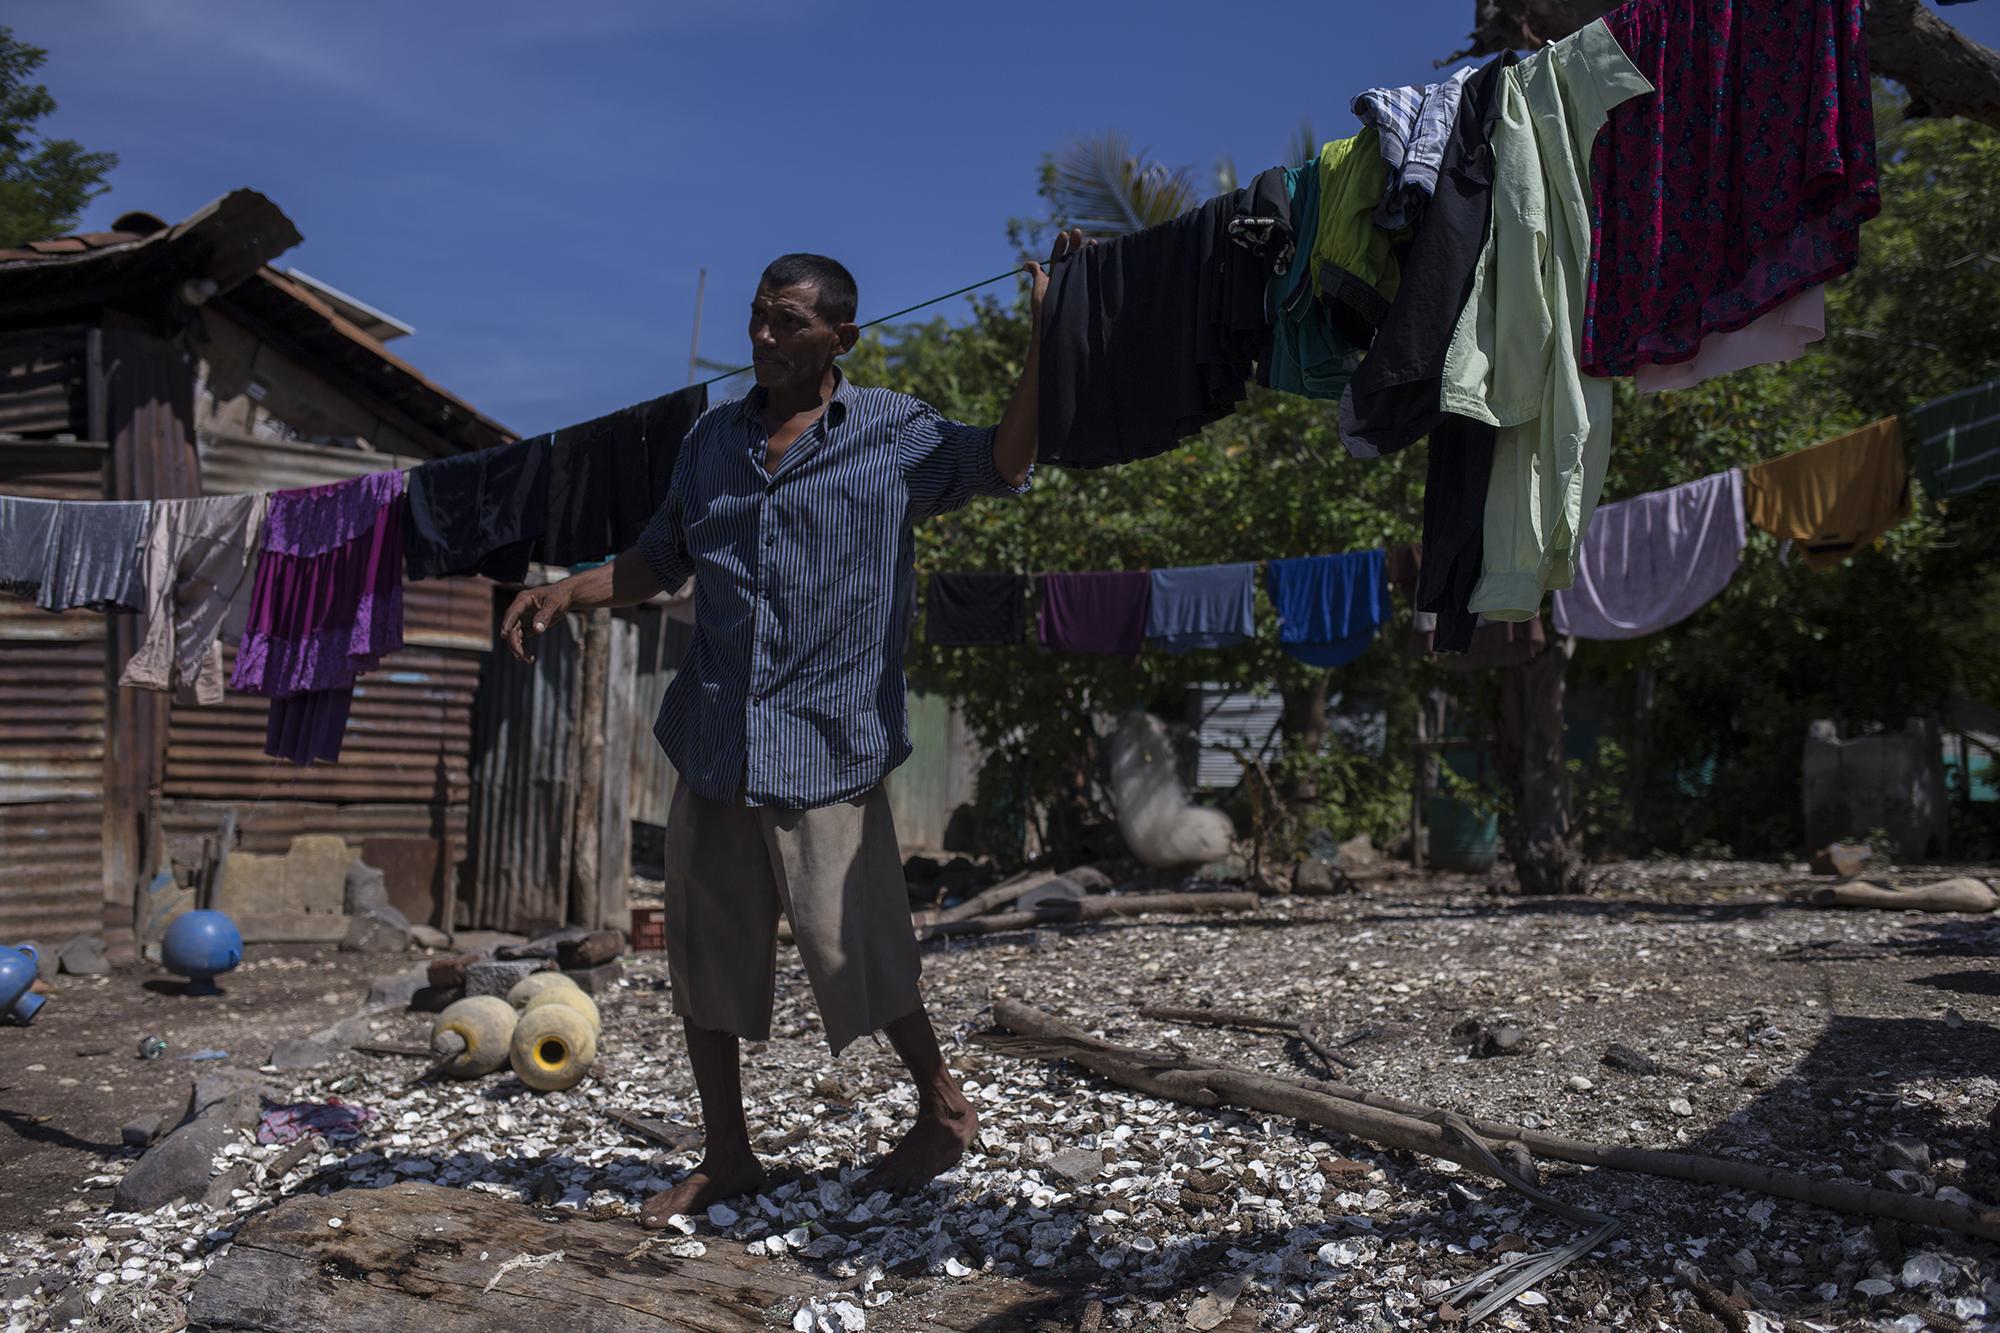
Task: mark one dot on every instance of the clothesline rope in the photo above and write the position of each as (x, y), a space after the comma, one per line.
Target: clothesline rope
(906, 310)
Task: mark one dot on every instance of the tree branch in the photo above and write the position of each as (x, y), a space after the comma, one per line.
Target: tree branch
(1945, 72)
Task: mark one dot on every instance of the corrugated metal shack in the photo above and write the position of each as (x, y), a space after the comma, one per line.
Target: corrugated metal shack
(152, 361)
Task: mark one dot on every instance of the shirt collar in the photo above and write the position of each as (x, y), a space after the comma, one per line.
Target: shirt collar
(836, 409)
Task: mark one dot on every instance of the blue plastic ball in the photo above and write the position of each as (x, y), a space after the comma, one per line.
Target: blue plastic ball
(201, 944)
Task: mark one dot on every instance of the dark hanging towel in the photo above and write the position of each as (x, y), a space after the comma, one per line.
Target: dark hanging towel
(1099, 613)
(478, 513)
(976, 610)
(607, 476)
(1150, 337)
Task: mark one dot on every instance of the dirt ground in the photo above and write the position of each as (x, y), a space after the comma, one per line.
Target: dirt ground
(1834, 1043)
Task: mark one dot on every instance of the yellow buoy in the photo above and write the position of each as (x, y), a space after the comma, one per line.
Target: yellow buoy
(534, 984)
(571, 998)
(553, 1047)
(474, 1032)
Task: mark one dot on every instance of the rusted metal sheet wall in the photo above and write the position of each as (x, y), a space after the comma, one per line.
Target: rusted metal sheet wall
(42, 383)
(404, 765)
(524, 768)
(662, 641)
(52, 710)
(233, 464)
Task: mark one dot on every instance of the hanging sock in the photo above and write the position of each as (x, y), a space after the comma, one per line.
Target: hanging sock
(478, 513)
(1654, 560)
(1329, 606)
(1204, 606)
(976, 610)
(196, 574)
(1097, 613)
(1512, 362)
(1743, 184)
(1957, 439)
(1834, 498)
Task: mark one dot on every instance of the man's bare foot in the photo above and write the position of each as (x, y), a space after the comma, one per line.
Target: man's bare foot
(931, 1148)
(715, 1180)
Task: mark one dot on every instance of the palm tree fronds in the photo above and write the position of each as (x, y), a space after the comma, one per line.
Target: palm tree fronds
(1102, 186)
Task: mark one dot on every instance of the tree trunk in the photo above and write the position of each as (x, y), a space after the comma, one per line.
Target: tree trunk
(1303, 726)
(585, 897)
(1945, 72)
(1528, 745)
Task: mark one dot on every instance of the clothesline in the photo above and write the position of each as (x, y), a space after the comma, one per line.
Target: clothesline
(898, 314)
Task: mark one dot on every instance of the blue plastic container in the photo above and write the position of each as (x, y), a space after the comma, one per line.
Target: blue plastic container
(17, 974)
(199, 946)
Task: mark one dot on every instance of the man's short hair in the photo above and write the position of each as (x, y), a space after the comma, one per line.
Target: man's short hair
(836, 298)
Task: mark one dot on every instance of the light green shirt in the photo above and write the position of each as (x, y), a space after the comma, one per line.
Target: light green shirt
(1513, 356)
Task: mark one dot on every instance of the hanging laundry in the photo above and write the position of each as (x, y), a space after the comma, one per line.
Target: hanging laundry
(73, 553)
(1512, 362)
(1485, 645)
(1354, 268)
(196, 572)
(607, 477)
(1742, 185)
(1307, 357)
(1654, 560)
(478, 513)
(1149, 337)
(1957, 447)
(1413, 124)
(1329, 606)
(976, 610)
(1394, 398)
(1098, 613)
(1203, 606)
(326, 606)
(1834, 498)
(1782, 334)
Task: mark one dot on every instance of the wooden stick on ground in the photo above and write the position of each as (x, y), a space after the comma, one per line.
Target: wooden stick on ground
(1093, 909)
(1230, 1018)
(1963, 894)
(1415, 1128)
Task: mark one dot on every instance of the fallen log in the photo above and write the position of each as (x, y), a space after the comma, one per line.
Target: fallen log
(1395, 1123)
(1964, 894)
(1001, 894)
(1229, 1018)
(1092, 909)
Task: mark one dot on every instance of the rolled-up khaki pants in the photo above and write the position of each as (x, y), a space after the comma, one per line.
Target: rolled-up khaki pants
(836, 873)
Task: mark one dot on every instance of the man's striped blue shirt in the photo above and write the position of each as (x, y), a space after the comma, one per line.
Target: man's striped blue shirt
(792, 690)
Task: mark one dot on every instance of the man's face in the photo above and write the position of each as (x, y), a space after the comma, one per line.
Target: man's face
(791, 343)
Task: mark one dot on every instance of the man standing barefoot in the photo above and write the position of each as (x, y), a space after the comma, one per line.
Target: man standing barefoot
(792, 507)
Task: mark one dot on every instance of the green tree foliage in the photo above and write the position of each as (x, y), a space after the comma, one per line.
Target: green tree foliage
(45, 183)
(1895, 632)
(1269, 482)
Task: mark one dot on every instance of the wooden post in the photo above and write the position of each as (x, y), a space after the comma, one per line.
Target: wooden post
(1528, 740)
(586, 905)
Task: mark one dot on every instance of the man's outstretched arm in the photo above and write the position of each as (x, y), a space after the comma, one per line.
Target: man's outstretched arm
(626, 581)
(1014, 439)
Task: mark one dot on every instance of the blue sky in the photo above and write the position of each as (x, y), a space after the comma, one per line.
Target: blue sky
(535, 185)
